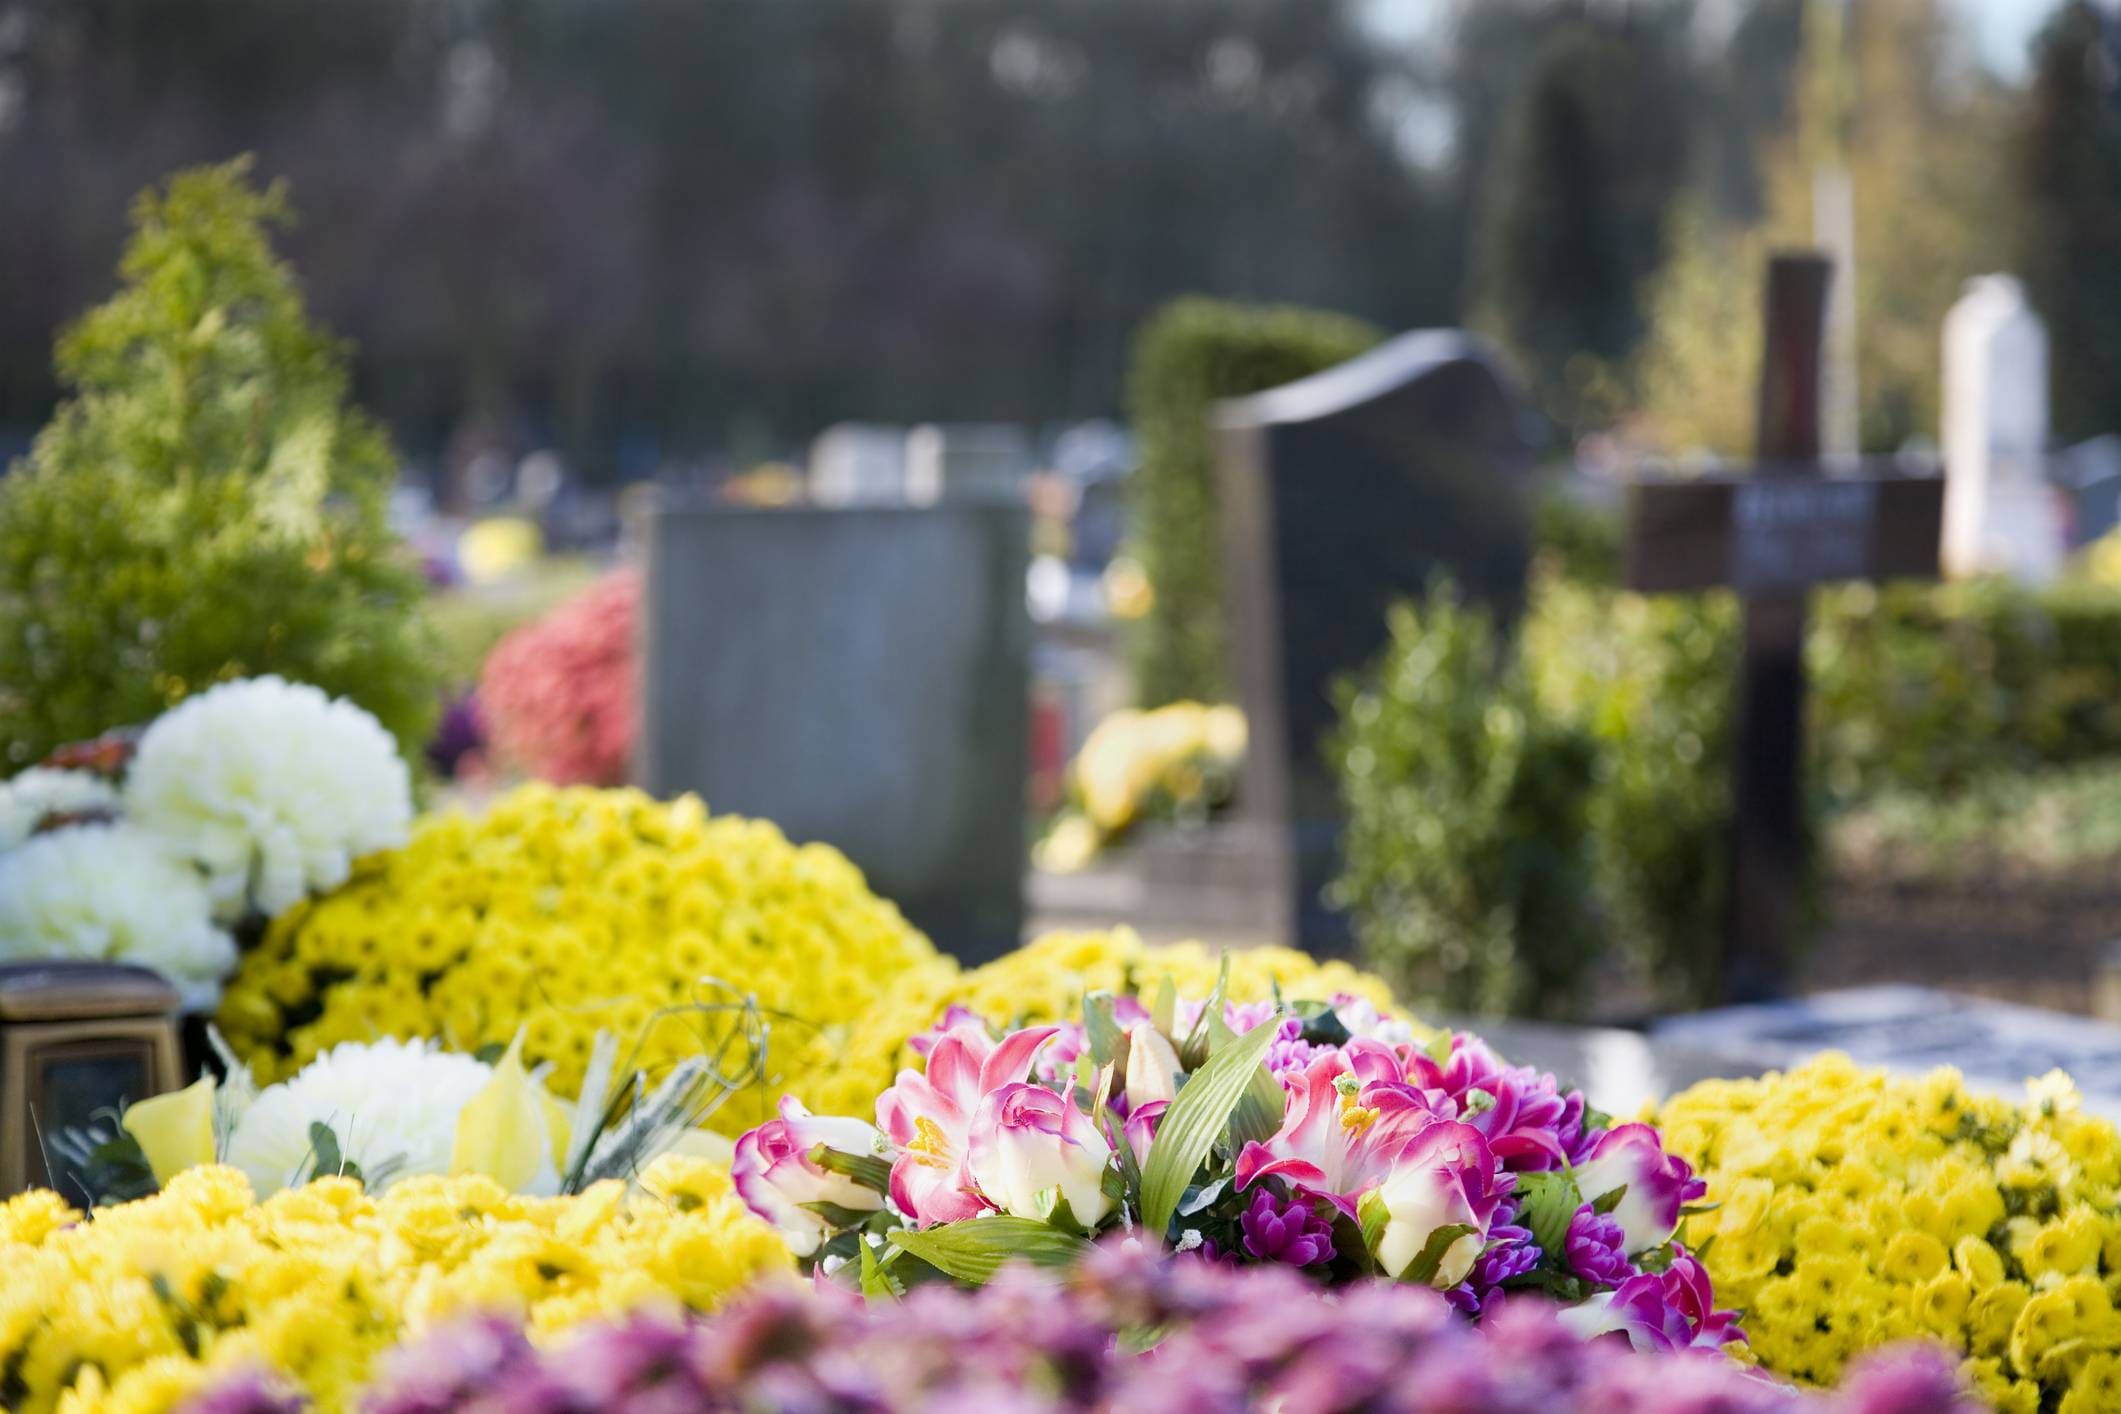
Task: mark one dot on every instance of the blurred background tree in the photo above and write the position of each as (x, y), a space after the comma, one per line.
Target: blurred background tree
(2067, 156)
(205, 505)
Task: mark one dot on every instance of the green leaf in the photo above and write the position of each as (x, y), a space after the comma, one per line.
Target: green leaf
(974, 1250)
(1547, 1204)
(1099, 1027)
(1422, 1270)
(837, 1215)
(330, 1162)
(1607, 1201)
(868, 1170)
(1193, 1051)
(877, 1282)
(1163, 1014)
(1370, 1210)
(1196, 1119)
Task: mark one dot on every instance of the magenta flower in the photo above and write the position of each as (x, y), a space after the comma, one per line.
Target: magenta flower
(929, 1117)
(1528, 1120)
(1510, 1253)
(1636, 1309)
(1597, 1248)
(1031, 1148)
(1140, 1129)
(1293, 1233)
(775, 1175)
(1335, 1141)
(1688, 1291)
(1658, 1184)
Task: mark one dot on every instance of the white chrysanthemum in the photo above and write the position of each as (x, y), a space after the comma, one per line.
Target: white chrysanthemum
(392, 1107)
(112, 893)
(41, 791)
(273, 788)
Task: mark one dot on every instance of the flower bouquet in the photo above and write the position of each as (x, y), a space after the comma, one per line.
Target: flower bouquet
(158, 847)
(1321, 1135)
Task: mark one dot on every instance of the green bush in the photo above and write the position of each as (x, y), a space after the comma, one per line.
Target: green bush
(1651, 680)
(206, 505)
(1465, 851)
(1931, 687)
(1191, 354)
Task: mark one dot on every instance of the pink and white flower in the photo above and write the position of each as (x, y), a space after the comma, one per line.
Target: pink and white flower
(1658, 1184)
(1031, 1149)
(1443, 1177)
(929, 1117)
(775, 1175)
(1339, 1138)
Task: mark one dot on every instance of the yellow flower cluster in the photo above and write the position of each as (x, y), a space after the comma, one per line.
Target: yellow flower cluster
(1858, 1209)
(563, 912)
(133, 1310)
(1183, 755)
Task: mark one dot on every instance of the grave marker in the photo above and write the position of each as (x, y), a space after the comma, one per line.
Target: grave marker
(856, 676)
(1339, 494)
(1771, 536)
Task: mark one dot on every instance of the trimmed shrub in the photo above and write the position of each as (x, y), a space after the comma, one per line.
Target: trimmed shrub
(207, 505)
(1187, 357)
(1467, 847)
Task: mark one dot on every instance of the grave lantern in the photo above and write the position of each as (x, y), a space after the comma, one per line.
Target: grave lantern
(78, 1042)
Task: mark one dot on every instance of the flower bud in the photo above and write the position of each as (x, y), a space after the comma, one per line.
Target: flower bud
(775, 1175)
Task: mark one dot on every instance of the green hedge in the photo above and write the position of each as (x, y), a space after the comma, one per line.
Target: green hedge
(1918, 692)
(1466, 852)
(1187, 357)
(206, 505)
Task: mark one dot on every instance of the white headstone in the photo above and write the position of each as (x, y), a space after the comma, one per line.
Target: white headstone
(2000, 513)
(858, 464)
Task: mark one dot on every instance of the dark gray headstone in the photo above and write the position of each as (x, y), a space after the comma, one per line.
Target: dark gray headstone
(1341, 493)
(857, 676)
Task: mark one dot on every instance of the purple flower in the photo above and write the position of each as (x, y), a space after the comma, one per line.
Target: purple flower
(1510, 1253)
(461, 732)
(1292, 1233)
(1596, 1249)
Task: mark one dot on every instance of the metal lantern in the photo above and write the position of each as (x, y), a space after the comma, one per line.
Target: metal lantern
(78, 1042)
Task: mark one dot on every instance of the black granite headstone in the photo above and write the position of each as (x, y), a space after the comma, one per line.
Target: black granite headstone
(856, 676)
(1341, 493)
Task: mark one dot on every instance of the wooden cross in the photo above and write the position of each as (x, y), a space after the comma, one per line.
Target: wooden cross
(1771, 534)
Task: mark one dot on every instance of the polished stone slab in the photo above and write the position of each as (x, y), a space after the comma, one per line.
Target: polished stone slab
(1910, 1030)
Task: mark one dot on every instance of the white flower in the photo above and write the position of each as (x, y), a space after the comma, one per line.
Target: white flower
(112, 893)
(41, 791)
(273, 788)
(392, 1107)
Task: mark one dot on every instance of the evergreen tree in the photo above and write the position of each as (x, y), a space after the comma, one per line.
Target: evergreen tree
(1575, 209)
(2069, 166)
(206, 505)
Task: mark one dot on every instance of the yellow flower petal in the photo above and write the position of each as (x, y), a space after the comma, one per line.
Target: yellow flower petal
(501, 1132)
(175, 1131)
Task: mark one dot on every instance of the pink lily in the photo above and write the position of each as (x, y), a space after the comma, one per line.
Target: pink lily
(1337, 1141)
(929, 1117)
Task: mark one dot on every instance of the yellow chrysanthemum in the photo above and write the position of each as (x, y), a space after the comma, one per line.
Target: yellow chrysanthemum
(132, 1308)
(1858, 1209)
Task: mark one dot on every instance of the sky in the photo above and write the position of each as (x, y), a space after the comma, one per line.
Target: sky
(2002, 29)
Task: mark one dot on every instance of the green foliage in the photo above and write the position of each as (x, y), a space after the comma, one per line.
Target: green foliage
(1191, 354)
(2068, 166)
(1930, 687)
(2051, 820)
(1651, 680)
(1466, 849)
(469, 620)
(206, 506)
